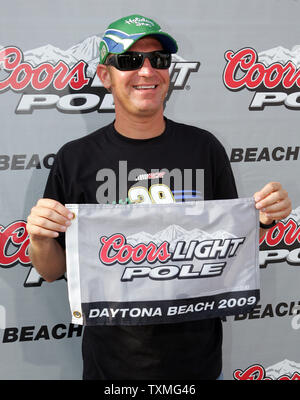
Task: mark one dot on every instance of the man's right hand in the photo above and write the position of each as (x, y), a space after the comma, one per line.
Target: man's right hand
(47, 218)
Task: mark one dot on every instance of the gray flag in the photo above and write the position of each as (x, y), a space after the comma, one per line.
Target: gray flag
(156, 263)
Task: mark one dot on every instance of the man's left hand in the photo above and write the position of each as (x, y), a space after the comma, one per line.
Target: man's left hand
(273, 203)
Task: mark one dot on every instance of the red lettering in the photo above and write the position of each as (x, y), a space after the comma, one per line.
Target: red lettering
(257, 373)
(262, 239)
(292, 232)
(255, 76)
(14, 242)
(115, 242)
(43, 76)
(161, 253)
(253, 373)
(124, 253)
(242, 60)
(273, 75)
(11, 58)
(22, 73)
(74, 77)
(115, 250)
(275, 234)
(243, 70)
(288, 232)
(21, 76)
(139, 253)
(291, 76)
(295, 376)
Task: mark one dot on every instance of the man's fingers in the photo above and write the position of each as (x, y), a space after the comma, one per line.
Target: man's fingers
(45, 223)
(273, 202)
(38, 231)
(271, 199)
(50, 214)
(47, 219)
(279, 210)
(55, 206)
(267, 190)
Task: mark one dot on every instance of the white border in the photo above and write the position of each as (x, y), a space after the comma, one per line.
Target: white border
(73, 272)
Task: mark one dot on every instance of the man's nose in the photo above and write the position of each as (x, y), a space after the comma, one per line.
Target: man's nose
(146, 69)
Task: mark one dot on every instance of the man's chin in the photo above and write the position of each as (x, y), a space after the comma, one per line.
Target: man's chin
(148, 112)
(149, 108)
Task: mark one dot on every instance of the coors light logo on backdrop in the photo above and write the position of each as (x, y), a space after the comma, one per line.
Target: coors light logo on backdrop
(274, 76)
(14, 242)
(285, 370)
(282, 242)
(48, 77)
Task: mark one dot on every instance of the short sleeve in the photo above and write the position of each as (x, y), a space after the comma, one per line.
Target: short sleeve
(54, 190)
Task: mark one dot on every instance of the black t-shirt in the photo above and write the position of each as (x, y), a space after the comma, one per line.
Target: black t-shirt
(187, 163)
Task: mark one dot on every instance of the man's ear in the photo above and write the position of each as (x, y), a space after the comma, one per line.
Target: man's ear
(104, 75)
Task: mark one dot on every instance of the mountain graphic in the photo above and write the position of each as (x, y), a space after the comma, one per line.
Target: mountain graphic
(174, 233)
(280, 54)
(87, 50)
(284, 367)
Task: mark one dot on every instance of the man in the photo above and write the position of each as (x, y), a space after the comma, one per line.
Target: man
(134, 62)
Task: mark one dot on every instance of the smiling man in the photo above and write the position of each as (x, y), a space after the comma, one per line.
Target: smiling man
(138, 92)
(166, 162)
(138, 79)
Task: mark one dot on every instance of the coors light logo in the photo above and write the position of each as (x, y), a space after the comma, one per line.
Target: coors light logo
(48, 77)
(171, 244)
(14, 242)
(285, 370)
(282, 242)
(274, 76)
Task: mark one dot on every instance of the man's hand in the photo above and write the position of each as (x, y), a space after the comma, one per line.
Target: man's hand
(47, 218)
(273, 203)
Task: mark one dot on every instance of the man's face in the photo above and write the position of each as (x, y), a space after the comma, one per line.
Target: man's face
(140, 92)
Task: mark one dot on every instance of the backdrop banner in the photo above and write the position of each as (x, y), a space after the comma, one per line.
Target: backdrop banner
(130, 264)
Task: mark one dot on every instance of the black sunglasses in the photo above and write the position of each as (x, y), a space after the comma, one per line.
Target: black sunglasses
(132, 60)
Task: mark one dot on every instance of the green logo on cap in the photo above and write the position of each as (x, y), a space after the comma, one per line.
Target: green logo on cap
(103, 51)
